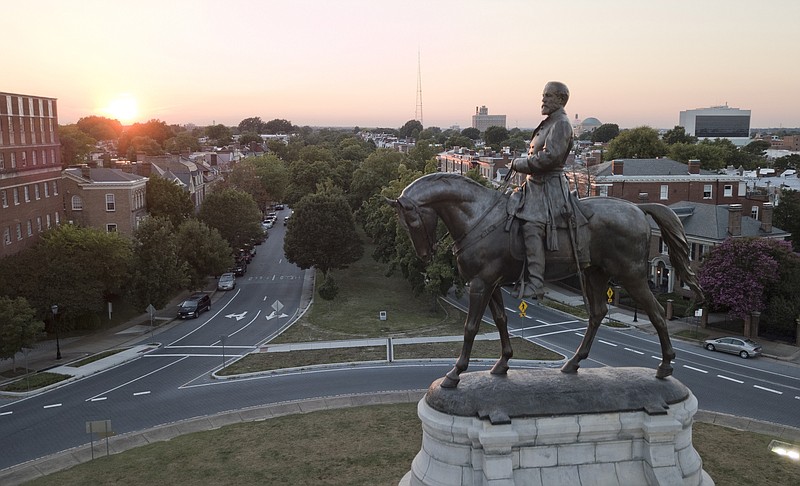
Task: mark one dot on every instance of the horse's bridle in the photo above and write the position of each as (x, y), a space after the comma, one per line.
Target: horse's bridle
(410, 206)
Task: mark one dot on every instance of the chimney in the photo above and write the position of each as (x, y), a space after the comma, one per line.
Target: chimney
(86, 172)
(766, 217)
(694, 166)
(616, 167)
(735, 219)
(213, 159)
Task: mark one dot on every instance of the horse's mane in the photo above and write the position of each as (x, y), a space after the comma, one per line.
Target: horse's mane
(428, 187)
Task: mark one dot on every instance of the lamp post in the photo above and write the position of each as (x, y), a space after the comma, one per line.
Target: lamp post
(54, 308)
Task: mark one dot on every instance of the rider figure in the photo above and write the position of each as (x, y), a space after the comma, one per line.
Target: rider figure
(545, 187)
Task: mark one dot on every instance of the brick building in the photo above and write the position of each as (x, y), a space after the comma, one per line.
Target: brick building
(30, 170)
(108, 199)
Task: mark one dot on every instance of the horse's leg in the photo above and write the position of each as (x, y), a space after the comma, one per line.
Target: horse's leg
(478, 298)
(647, 301)
(501, 322)
(596, 282)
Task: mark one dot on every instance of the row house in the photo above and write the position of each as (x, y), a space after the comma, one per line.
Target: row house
(105, 198)
(490, 164)
(30, 170)
(178, 169)
(706, 226)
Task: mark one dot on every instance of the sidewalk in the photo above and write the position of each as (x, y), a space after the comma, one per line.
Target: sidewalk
(43, 356)
(770, 349)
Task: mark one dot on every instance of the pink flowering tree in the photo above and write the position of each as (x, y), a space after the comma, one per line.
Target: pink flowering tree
(737, 273)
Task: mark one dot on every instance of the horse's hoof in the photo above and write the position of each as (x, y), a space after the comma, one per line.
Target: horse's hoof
(663, 372)
(448, 382)
(499, 369)
(570, 368)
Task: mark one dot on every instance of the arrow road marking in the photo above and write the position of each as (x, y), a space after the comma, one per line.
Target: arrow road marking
(238, 317)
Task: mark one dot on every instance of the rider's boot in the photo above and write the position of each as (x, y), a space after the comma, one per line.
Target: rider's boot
(534, 247)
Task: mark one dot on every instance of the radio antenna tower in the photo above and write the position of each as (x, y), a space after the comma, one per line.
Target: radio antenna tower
(418, 110)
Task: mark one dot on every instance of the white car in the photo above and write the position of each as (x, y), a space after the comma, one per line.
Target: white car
(227, 281)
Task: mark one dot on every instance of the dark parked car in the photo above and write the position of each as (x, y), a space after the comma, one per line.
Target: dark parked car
(744, 347)
(195, 305)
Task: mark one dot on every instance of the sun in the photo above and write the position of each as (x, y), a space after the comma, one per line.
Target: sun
(123, 108)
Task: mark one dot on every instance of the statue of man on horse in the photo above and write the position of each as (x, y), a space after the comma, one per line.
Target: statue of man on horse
(544, 204)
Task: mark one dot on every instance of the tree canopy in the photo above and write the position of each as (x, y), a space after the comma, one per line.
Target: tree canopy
(787, 216)
(253, 125)
(678, 135)
(322, 233)
(205, 251)
(219, 134)
(411, 129)
(234, 214)
(494, 136)
(100, 128)
(18, 326)
(279, 125)
(168, 200)
(605, 133)
(75, 145)
(158, 270)
(636, 143)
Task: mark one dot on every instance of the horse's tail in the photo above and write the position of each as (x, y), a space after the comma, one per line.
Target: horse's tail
(674, 236)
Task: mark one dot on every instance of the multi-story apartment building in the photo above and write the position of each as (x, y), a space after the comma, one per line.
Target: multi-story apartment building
(483, 120)
(30, 170)
(717, 122)
(104, 198)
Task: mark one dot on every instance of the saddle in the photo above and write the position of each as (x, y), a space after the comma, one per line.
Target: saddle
(563, 227)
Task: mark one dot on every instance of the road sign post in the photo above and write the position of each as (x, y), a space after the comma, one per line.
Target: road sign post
(151, 311)
(102, 428)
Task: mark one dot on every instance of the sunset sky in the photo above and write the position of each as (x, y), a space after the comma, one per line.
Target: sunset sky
(354, 62)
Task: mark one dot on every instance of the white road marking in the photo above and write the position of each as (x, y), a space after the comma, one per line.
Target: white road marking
(579, 334)
(98, 399)
(729, 379)
(245, 326)
(695, 369)
(136, 379)
(768, 389)
(633, 350)
(52, 406)
(551, 333)
(9, 413)
(606, 342)
(141, 393)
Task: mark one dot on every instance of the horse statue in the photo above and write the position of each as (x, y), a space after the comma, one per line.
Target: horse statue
(476, 216)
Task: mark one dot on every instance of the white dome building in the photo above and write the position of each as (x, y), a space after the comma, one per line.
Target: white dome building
(587, 125)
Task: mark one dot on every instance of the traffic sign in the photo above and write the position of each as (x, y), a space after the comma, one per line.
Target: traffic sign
(610, 295)
(523, 306)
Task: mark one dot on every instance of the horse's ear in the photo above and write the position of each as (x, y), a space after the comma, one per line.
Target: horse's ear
(392, 202)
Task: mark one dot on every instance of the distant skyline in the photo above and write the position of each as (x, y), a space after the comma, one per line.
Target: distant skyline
(354, 62)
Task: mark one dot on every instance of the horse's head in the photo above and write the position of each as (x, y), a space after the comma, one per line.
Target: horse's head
(420, 222)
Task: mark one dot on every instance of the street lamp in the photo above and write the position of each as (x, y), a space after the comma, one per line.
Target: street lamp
(54, 308)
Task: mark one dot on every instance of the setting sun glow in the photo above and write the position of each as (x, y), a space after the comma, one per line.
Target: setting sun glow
(123, 108)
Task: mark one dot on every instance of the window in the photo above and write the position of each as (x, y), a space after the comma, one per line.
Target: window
(2, 158)
(707, 191)
(664, 192)
(58, 219)
(36, 194)
(13, 160)
(52, 156)
(728, 190)
(4, 197)
(47, 218)
(30, 228)
(39, 223)
(24, 157)
(33, 158)
(27, 194)
(19, 231)
(7, 236)
(55, 188)
(77, 203)
(110, 203)
(111, 228)
(662, 247)
(46, 190)
(16, 196)
(754, 212)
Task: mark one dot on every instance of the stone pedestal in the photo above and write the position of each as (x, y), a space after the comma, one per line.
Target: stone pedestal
(607, 426)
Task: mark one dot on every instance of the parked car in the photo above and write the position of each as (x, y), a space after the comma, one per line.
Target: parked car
(279, 207)
(745, 348)
(227, 281)
(240, 267)
(195, 305)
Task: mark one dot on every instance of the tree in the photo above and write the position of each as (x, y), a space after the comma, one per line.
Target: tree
(711, 157)
(75, 145)
(787, 216)
(304, 178)
(757, 148)
(736, 274)
(205, 251)
(375, 172)
(234, 214)
(220, 134)
(246, 138)
(459, 141)
(605, 133)
(100, 128)
(278, 125)
(472, 133)
(322, 233)
(678, 135)
(636, 143)
(791, 161)
(253, 125)
(166, 199)
(144, 145)
(18, 327)
(494, 136)
(158, 270)
(182, 142)
(411, 129)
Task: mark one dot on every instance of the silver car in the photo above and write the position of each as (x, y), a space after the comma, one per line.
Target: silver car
(745, 348)
(227, 281)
